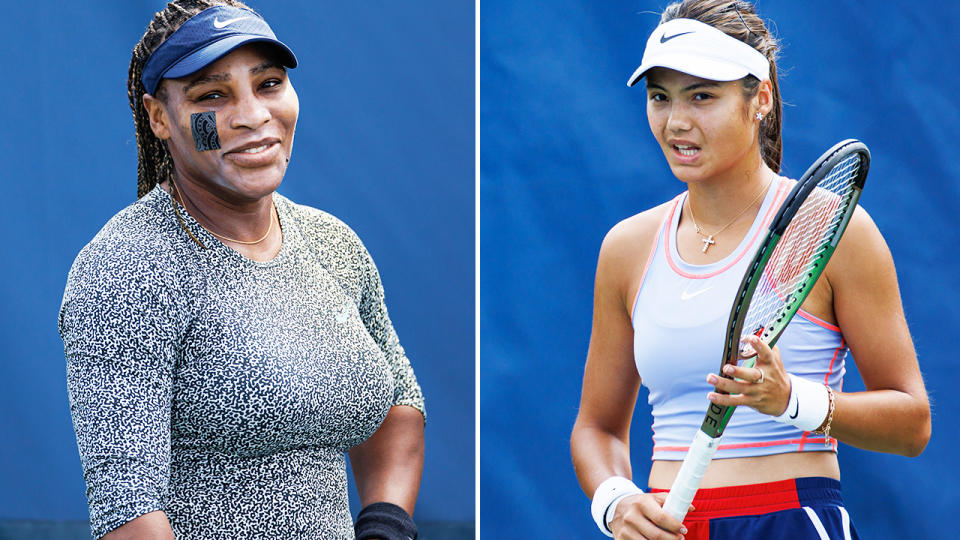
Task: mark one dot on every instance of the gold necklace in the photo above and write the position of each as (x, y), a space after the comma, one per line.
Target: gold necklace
(176, 211)
(707, 239)
(262, 238)
(184, 225)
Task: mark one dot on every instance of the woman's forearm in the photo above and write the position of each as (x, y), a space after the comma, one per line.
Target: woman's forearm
(882, 421)
(597, 455)
(388, 466)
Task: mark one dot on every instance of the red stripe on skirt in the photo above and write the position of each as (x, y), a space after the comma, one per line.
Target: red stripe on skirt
(749, 500)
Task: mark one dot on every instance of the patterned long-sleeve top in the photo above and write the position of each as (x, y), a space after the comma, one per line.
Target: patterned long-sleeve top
(222, 390)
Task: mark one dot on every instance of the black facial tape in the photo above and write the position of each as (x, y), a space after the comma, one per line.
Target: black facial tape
(204, 126)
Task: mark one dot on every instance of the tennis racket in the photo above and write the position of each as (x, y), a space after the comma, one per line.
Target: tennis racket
(801, 239)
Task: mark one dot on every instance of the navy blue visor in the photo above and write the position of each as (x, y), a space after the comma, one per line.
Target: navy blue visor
(205, 38)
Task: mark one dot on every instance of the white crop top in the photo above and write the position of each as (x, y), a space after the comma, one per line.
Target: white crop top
(679, 318)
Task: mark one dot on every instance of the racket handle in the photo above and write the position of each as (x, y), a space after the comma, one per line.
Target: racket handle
(691, 473)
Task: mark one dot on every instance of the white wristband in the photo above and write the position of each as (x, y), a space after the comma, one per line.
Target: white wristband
(808, 406)
(610, 492)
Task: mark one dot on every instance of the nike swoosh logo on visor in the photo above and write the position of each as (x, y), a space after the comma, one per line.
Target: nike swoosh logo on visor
(795, 411)
(220, 24)
(664, 38)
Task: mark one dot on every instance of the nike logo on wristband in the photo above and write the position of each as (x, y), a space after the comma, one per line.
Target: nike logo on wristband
(664, 38)
(796, 411)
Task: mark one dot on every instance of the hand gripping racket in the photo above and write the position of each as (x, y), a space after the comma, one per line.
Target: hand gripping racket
(801, 239)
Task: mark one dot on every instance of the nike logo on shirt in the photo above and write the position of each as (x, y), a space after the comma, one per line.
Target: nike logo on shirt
(220, 24)
(686, 295)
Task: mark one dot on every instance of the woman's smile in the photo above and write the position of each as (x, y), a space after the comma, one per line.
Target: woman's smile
(254, 155)
(256, 110)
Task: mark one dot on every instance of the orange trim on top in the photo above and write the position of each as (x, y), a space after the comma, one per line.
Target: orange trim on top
(836, 352)
(771, 211)
(826, 380)
(646, 265)
(834, 442)
(817, 320)
(762, 444)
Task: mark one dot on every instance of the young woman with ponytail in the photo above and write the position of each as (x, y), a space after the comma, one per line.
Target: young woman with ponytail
(664, 286)
(226, 346)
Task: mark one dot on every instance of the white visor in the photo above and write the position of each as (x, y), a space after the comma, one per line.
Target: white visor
(701, 50)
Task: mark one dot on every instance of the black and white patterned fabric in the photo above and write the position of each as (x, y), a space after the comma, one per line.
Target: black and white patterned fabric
(222, 390)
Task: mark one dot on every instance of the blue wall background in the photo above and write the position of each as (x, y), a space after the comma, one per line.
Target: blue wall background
(385, 142)
(566, 153)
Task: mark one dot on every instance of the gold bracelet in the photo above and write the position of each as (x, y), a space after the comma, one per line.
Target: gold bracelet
(825, 426)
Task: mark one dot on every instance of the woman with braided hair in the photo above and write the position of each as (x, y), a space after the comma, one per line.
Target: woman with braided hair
(226, 346)
(666, 279)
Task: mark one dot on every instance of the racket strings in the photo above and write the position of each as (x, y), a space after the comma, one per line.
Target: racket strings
(798, 258)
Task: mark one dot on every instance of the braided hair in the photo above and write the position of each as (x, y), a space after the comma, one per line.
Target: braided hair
(739, 19)
(154, 164)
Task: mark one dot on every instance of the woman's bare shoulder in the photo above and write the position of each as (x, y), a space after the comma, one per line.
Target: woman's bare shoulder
(635, 235)
(861, 250)
(625, 250)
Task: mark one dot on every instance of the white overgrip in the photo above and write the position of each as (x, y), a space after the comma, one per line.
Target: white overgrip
(691, 473)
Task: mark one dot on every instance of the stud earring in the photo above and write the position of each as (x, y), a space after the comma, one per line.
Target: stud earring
(759, 116)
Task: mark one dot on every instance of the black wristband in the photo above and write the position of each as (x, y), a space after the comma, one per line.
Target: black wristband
(385, 521)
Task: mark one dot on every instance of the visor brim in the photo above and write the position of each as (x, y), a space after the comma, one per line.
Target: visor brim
(205, 56)
(712, 69)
